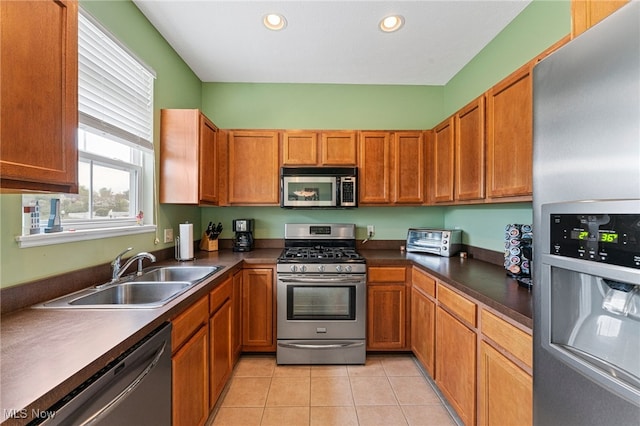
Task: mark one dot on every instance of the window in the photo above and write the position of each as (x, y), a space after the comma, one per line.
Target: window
(115, 148)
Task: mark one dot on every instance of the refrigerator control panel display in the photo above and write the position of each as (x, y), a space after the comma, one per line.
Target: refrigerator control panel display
(606, 238)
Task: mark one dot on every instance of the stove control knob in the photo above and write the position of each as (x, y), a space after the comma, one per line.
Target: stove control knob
(303, 268)
(338, 268)
(347, 268)
(320, 268)
(294, 268)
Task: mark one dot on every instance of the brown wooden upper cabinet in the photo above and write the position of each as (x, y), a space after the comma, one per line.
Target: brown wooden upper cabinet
(441, 162)
(253, 177)
(392, 167)
(39, 97)
(189, 158)
(311, 148)
(587, 13)
(509, 136)
(469, 151)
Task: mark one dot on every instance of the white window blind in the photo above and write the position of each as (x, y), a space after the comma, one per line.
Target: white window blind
(115, 93)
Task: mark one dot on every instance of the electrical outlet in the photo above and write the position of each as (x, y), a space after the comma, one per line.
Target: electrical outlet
(370, 231)
(168, 235)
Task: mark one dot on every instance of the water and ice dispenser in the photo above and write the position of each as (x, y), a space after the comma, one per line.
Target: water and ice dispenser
(591, 283)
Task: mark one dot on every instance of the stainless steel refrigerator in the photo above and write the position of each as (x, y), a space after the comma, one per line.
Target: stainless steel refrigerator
(586, 208)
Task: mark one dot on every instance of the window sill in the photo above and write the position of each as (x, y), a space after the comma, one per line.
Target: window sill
(25, 241)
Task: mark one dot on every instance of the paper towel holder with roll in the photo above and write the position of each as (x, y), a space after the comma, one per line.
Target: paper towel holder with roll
(184, 253)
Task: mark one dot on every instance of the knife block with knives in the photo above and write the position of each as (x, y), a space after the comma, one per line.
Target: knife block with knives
(209, 240)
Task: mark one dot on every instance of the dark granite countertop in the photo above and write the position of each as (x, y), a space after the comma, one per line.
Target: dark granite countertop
(46, 353)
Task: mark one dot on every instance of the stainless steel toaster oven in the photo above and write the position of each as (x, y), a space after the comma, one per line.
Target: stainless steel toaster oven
(442, 242)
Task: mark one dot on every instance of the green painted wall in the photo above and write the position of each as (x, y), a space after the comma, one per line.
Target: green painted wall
(176, 86)
(296, 106)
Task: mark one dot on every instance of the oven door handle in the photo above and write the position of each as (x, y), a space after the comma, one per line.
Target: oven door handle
(322, 280)
(325, 346)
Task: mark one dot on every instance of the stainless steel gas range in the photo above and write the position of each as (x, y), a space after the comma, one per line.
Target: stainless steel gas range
(321, 296)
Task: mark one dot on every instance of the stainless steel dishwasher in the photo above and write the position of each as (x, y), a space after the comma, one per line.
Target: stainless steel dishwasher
(134, 389)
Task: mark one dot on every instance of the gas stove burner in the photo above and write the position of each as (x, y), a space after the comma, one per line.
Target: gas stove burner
(320, 253)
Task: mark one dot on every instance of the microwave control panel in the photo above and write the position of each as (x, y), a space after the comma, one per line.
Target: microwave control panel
(605, 238)
(348, 191)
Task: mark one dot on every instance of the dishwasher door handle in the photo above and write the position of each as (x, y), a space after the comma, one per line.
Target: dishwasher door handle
(128, 389)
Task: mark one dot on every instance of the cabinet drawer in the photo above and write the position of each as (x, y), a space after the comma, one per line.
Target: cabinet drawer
(457, 304)
(424, 282)
(509, 337)
(386, 275)
(220, 294)
(187, 323)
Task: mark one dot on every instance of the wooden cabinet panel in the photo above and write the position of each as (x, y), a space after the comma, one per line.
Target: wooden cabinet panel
(441, 161)
(220, 338)
(190, 381)
(423, 321)
(339, 148)
(505, 394)
(257, 310)
(469, 151)
(425, 283)
(299, 148)
(236, 330)
(409, 168)
(386, 274)
(39, 95)
(188, 158)
(188, 322)
(509, 136)
(253, 168)
(587, 13)
(458, 304)
(374, 180)
(456, 364)
(386, 316)
(516, 341)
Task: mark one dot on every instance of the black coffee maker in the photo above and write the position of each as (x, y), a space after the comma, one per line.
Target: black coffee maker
(243, 239)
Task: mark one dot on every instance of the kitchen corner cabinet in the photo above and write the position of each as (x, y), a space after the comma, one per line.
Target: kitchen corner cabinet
(510, 136)
(258, 334)
(505, 373)
(456, 352)
(392, 168)
(441, 160)
(469, 151)
(220, 338)
(188, 158)
(587, 13)
(387, 321)
(253, 168)
(39, 96)
(423, 319)
(310, 148)
(190, 365)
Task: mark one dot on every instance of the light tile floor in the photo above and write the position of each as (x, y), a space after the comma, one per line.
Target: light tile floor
(388, 390)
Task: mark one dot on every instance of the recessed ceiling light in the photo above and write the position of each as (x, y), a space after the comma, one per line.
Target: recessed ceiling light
(274, 22)
(391, 23)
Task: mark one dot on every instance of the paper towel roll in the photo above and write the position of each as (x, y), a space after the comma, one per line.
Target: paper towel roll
(186, 241)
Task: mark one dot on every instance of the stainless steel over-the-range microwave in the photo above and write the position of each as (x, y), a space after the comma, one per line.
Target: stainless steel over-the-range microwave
(319, 187)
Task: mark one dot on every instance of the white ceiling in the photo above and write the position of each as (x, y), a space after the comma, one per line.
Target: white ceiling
(329, 41)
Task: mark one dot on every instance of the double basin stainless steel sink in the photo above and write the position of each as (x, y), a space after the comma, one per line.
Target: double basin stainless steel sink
(154, 288)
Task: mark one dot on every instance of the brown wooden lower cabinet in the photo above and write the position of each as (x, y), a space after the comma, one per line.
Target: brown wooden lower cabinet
(237, 316)
(257, 310)
(456, 364)
(387, 303)
(423, 321)
(220, 338)
(505, 394)
(190, 365)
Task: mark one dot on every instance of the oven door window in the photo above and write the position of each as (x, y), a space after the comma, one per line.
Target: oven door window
(321, 302)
